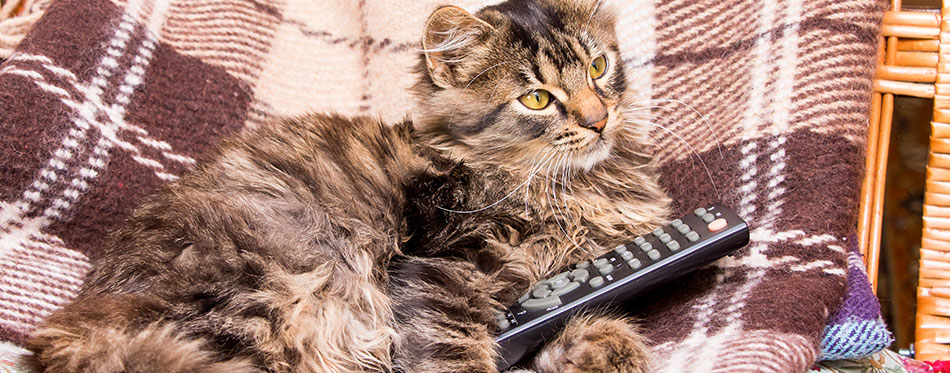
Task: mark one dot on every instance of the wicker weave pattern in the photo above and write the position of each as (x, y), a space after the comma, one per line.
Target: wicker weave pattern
(915, 61)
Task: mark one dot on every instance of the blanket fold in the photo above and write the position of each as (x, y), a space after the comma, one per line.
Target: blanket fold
(760, 104)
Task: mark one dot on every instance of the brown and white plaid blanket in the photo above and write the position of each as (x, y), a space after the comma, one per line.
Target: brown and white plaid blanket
(106, 100)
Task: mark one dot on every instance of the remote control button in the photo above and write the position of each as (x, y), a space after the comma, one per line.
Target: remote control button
(524, 297)
(584, 264)
(639, 241)
(606, 269)
(665, 237)
(540, 292)
(708, 217)
(653, 254)
(596, 282)
(676, 223)
(571, 286)
(700, 212)
(646, 247)
(683, 229)
(580, 275)
(657, 232)
(559, 283)
(542, 303)
(692, 236)
(673, 245)
(562, 275)
(717, 225)
(626, 255)
(620, 249)
(600, 262)
(635, 263)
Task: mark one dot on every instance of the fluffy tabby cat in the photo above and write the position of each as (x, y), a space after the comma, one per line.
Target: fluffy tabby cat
(332, 244)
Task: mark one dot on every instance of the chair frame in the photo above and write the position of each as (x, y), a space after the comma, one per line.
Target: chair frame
(914, 60)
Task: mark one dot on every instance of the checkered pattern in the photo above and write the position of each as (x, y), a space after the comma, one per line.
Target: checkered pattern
(760, 104)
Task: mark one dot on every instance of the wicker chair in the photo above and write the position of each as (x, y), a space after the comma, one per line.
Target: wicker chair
(914, 60)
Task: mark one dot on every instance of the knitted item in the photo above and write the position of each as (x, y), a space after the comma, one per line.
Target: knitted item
(106, 100)
(856, 330)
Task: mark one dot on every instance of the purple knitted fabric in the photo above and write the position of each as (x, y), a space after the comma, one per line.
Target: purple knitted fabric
(857, 329)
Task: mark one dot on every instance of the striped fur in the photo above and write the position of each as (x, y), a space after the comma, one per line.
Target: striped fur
(790, 155)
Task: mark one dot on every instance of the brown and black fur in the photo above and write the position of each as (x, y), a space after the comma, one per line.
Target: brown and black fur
(332, 244)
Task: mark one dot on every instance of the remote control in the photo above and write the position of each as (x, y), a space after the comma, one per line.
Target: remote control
(707, 234)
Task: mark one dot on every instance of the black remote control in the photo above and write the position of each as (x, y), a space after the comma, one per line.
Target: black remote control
(629, 270)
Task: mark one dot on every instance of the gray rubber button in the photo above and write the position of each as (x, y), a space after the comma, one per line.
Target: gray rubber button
(524, 297)
(683, 229)
(657, 232)
(665, 237)
(653, 254)
(692, 236)
(541, 304)
(583, 264)
(600, 262)
(639, 241)
(676, 223)
(646, 246)
(620, 249)
(571, 286)
(700, 212)
(559, 283)
(606, 269)
(635, 263)
(541, 292)
(708, 218)
(673, 245)
(596, 282)
(626, 255)
(562, 275)
(580, 275)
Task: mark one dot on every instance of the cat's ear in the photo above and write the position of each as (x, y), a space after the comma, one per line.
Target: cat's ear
(450, 32)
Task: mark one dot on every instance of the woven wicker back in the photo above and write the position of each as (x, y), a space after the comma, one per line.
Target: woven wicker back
(915, 61)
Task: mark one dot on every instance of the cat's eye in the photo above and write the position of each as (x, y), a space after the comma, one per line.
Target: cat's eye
(597, 67)
(536, 100)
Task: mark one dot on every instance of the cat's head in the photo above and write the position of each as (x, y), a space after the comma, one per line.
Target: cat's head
(523, 83)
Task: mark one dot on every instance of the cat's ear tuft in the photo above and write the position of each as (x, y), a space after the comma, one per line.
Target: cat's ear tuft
(449, 33)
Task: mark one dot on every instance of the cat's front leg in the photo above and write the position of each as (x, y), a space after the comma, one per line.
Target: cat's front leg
(444, 316)
(595, 344)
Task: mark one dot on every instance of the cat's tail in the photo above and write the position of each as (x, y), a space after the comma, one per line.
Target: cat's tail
(82, 338)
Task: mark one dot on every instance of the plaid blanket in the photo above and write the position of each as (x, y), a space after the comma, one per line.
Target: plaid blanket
(106, 100)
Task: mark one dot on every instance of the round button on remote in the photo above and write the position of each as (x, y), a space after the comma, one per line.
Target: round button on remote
(626, 255)
(620, 249)
(700, 212)
(635, 263)
(692, 236)
(646, 247)
(665, 237)
(657, 232)
(540, 292)
(605, 269)
(639, 241)
(717, 225)
(676, 223)
(653, 254)
(683, 229)
(596, 282)
(600, 262)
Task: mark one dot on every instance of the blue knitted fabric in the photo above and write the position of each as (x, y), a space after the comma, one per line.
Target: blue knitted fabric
(857, 329)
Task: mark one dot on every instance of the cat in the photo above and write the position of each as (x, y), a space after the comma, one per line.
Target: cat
(325, 243)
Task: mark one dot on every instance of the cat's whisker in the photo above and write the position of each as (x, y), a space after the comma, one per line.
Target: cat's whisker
(688, 146)
(596, 8)
(691, 108)
(534, 171)
(559, 214)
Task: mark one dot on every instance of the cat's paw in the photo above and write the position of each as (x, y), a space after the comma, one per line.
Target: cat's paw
(596, 344)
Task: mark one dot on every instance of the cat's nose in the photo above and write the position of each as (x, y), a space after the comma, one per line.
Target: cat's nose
(597, 126)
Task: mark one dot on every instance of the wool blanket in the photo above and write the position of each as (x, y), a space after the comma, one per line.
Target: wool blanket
(760, 104)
